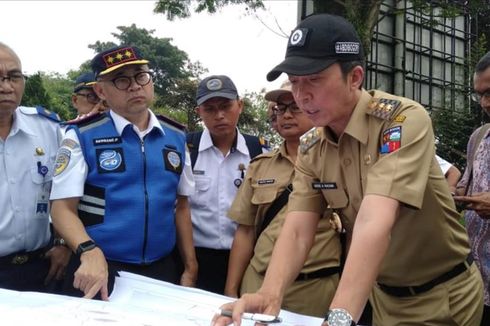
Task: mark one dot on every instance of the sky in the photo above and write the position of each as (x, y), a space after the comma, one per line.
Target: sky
(53, 36)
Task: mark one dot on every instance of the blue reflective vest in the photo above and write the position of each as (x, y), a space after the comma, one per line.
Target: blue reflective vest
(131, 188)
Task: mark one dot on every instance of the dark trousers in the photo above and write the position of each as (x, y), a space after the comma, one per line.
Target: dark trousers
(25, 277)
(213, 268)
(485, 321)
(163, 269)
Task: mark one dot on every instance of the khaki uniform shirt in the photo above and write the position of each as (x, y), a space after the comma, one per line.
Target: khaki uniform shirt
(267, 177)
(387, 151)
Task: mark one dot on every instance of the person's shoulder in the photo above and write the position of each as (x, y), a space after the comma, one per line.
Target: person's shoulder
(41, 113)
(171, 124)
(388, 107)
(309, 139)
(261, 140)
(266, 155)
(86, 119)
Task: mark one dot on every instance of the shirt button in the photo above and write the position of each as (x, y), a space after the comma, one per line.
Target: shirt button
(347, 161)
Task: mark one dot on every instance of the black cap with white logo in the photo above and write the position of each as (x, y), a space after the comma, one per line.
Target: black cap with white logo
(317, 42)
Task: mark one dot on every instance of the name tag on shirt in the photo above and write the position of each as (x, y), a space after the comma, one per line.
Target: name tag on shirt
(324, 185)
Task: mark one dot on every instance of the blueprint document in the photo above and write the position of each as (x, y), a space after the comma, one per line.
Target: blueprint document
(135, 301)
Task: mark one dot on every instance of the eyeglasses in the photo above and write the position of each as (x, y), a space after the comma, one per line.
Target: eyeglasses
(477, 97)
(15, 78)
(124, 82)
(281, 108)
(92, 98)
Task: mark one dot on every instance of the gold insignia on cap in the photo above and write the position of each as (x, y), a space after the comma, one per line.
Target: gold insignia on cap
(39, 151)
(110, 59)
(128, 54)
(119, 56)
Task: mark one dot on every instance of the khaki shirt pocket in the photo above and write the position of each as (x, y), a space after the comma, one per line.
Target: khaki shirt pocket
(336, 198)
(263, 195)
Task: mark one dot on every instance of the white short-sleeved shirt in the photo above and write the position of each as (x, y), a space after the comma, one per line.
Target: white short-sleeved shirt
(71, 181)
(445, 165)
(217, 177)
(27, 158)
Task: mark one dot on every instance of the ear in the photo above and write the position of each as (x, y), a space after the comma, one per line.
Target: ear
(198, 111)
(99, 90)
(357, 77)
(74, 100)
(240, 105)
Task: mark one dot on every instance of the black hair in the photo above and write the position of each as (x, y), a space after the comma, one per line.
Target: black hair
(347, 66)
(483, 63)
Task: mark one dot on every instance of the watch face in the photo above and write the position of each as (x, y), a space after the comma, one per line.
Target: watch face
(339, 317)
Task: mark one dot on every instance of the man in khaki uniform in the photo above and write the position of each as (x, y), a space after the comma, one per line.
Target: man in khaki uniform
(406, 247)
(269, 176)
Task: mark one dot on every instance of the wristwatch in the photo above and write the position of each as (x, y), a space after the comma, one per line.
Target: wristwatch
(339, 317)
(59, 242)
(85, 246)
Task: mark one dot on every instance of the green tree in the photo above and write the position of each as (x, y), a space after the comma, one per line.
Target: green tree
(35, 93)
(181, 8)
(167, 61)
(173, 71)
(60, 89)
(253, 119)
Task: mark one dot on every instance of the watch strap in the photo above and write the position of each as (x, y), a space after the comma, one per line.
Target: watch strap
(85, 246)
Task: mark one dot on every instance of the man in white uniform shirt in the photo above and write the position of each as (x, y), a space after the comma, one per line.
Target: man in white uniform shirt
(220, 155)
(29, 139)
(121, 184)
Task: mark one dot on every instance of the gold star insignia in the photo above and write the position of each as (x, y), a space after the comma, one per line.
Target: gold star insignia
(110, 60)
(119, 56)
(128, 54)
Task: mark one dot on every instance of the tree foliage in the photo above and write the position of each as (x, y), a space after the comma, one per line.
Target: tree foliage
(175, 75)
(182, 8)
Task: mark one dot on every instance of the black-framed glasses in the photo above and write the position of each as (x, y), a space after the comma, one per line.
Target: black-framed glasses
(13, 78)
(280, 108)
(477, 97)
(141, 78)
(92, 98)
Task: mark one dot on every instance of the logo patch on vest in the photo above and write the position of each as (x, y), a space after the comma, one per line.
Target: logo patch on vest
(173, 161)
(108, 140)
(110, 160)
(392, 139)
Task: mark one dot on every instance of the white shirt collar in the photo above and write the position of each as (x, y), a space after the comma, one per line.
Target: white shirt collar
(19, 123)
(120, 122)
(207, 142)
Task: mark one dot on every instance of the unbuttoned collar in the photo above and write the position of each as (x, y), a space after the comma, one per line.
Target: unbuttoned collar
(238, 144)
(120, 122)
(20, 123)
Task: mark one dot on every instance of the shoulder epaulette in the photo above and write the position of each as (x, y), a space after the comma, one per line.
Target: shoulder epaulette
(171, 123)
(383, 108)
(39, 110)
(265, 155)
(84, 119)
(309, 139)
